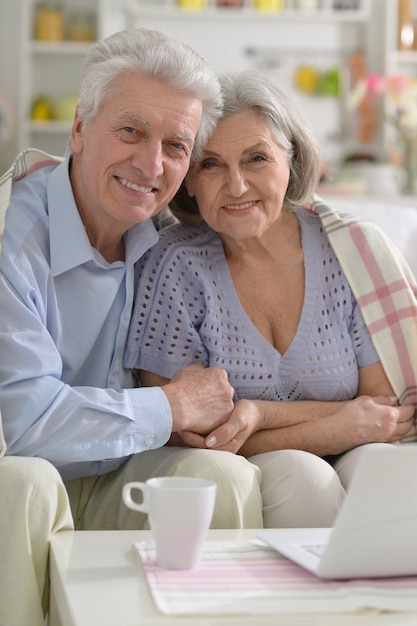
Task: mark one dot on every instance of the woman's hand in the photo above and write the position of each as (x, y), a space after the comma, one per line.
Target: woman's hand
(375, 419)
(246, 418)
(364, 419)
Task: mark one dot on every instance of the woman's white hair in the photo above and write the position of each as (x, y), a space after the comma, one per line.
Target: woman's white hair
(157, 55)
(253, 90)
(259, 92)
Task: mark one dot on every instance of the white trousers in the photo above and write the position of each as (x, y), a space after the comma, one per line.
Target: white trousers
(302, 490)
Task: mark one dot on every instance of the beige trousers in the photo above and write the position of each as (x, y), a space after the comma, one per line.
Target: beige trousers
(96, 502)
(33, 506)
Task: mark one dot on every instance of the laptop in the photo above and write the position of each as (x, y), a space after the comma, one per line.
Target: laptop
(375, 532)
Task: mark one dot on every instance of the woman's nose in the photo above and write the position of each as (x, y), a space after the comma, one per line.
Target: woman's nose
(236, 183)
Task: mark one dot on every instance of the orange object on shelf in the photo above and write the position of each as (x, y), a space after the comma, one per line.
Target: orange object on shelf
(405, 25)
(229, 3)
(366, 114)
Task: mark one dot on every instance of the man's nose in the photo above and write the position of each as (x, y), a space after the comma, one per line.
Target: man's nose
(149, 158)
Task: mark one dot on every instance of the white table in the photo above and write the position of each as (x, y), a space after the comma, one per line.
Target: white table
(97, 580)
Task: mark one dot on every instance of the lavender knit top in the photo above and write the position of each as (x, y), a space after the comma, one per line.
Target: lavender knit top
(187, 310)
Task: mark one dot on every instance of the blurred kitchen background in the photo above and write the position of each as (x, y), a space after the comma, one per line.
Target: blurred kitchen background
(334, 56)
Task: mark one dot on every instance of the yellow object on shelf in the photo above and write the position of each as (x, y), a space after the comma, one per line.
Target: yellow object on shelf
(269, 5)
(49, 23)
(41, 110)
(307, 78)
(192, 4)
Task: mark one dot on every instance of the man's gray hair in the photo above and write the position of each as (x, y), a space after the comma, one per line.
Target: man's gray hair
(158, 56)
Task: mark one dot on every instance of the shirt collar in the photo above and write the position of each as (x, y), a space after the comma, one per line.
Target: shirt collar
(69, 243)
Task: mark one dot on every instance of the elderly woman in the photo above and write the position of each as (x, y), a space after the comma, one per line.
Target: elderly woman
(250, 282)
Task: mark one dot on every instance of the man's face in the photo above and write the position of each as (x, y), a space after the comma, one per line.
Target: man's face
(130, 160)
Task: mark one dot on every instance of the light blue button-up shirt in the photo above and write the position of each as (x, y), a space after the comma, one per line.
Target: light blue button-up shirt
(64, 318)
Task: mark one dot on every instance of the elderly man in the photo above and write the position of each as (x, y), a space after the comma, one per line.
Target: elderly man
(74, 231)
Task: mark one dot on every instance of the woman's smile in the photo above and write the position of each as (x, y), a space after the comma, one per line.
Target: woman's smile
(239, 207)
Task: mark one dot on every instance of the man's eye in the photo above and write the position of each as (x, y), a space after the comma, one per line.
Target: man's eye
(178, 146)
(129, 130)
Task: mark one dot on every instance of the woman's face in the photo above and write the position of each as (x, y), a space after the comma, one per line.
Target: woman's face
(241, 179)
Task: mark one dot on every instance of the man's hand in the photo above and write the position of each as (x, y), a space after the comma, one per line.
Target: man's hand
(201, 399)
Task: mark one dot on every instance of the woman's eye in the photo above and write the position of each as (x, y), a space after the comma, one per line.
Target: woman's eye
(208, 164)
(257, 158)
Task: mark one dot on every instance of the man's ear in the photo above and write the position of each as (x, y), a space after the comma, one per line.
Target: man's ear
(76, 133)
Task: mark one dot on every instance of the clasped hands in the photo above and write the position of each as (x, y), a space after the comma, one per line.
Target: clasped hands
(215, 422)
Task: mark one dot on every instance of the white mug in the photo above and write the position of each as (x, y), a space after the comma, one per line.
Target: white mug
(180, 510)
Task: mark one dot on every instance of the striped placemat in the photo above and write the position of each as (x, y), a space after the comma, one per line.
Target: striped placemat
(246, 577)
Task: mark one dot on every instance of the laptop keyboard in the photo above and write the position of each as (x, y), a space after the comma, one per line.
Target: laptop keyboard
(316, 549)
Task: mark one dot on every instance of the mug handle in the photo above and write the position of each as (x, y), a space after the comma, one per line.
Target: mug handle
(127, 496)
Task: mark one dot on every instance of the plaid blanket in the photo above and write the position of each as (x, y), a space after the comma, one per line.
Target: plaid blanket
(25, 163)
(386, 292)
(380, 279)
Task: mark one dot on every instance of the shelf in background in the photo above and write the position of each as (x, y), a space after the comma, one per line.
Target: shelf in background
(404, 57)
(59, 47)
(250, 13)
(50, 127)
